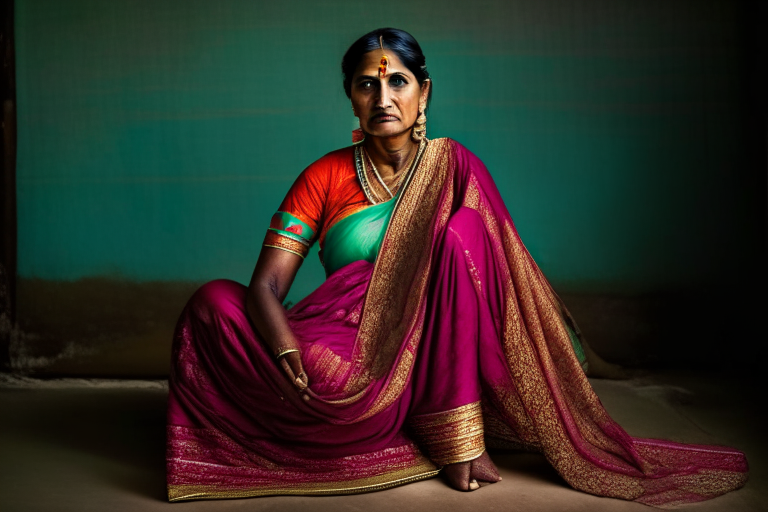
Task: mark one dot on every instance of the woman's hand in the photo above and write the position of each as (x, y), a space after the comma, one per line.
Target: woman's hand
(294, 370)
(271, 280)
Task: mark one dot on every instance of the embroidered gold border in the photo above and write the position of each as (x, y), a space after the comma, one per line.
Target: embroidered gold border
(396, 293)
(292, 236)
(451, 436)
(533, 326)
(278, 241)
(422, 471)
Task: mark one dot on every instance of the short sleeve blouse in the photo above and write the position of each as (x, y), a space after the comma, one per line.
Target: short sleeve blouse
(323, 194)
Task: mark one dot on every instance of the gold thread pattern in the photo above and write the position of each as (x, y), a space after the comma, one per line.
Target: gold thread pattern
(290, 235)
(328, 367)
(279, 241)
(542, 401)
(451, 436)
(198, 457)
(396, 295)
(532, 330)
(344, 487)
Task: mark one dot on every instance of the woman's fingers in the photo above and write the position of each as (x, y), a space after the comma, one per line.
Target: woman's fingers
(300, 379)
(287, 369)
(293, 368)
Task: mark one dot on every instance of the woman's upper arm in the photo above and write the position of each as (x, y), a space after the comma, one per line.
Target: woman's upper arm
(275, 271)
(292, 231)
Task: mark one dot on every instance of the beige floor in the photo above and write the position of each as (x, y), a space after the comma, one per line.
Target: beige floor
(98, 446)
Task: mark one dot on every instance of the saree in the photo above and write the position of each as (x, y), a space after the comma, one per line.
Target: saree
(449, 339)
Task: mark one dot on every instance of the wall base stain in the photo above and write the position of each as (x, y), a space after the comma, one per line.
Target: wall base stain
(104, 327)
(97, 327)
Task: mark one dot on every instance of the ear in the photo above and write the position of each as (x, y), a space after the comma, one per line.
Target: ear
(425, 88)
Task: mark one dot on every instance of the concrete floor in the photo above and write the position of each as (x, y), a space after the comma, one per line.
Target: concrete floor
(75, 445)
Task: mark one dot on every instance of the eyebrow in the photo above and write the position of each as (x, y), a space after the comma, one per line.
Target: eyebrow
(370, 77)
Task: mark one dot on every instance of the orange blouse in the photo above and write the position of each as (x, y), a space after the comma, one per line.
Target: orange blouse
(323, 194)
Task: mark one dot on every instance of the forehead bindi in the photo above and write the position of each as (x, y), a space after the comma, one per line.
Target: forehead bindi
(369, 64)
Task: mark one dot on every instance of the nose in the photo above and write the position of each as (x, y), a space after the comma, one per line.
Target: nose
(384, 101)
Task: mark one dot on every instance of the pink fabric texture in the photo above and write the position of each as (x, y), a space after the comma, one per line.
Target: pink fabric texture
(492, 331)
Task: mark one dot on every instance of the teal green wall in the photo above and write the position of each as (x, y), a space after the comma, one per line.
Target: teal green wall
(157, 137)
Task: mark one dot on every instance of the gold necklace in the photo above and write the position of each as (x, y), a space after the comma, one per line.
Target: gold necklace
(392, 190)
(378, 176)
(360, 156)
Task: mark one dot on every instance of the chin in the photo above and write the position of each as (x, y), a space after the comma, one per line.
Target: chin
(391, 131)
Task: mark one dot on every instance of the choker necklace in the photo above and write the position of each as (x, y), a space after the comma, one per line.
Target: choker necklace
(399, 178)
(363, 176)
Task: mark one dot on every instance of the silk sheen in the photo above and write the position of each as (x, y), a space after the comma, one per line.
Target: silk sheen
(452, 337)
(357, 237)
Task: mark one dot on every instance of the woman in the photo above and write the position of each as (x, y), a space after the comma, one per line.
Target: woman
(434, 333)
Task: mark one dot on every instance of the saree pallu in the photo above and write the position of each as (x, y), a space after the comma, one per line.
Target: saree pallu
(451, 338)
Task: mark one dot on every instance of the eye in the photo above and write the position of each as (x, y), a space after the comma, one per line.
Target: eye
(367, 85)
(397, 81)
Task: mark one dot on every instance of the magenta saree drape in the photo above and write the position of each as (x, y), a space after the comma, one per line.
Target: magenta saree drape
(451, 338)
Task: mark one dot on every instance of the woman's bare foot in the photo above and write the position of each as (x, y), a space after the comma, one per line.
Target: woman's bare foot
(467, 476)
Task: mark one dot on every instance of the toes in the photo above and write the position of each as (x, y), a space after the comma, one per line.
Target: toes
(467, 476)
(458, 475)
(484, 469)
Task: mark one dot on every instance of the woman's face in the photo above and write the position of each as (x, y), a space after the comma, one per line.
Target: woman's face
(386, 106)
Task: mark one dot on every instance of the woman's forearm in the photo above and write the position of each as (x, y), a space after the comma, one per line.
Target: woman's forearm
(271, 280)
(268, 315)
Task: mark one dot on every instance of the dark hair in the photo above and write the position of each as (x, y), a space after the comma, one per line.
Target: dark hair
(395, 40)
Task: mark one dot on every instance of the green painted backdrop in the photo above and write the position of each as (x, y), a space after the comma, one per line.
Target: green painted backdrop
(157, 137)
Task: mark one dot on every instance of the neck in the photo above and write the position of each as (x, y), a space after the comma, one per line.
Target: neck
(390, 155)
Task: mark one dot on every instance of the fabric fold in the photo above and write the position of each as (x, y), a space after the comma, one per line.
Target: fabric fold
(452, 335)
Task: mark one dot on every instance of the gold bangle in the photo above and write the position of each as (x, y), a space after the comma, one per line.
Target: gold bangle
(283, 351)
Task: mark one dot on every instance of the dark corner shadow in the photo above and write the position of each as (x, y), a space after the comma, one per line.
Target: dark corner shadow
(126, 426)
(528, 464)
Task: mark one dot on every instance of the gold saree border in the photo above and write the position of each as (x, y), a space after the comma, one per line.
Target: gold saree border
(396, 296)
(422, 471)
(452, 436)
(530, 323)
(278, 241)
(390, 328)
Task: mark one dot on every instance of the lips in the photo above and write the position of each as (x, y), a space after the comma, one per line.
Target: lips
(384, 118)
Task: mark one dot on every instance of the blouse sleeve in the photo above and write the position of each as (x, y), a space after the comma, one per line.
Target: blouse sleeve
(295, 225)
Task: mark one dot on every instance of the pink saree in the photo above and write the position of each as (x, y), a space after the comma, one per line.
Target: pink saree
(451, 339)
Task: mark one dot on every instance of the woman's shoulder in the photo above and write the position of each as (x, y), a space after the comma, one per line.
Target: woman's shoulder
(343, 157)
(340, 160)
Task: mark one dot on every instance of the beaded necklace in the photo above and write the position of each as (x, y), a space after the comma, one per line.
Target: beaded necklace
(360, 167)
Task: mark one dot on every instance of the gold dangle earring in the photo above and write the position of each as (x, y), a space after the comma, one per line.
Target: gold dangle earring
(420, 126)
